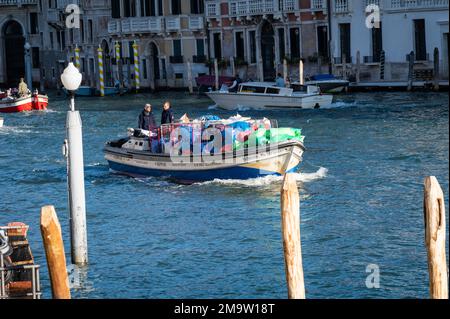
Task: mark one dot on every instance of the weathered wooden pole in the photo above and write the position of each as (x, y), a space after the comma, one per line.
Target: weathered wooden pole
(411, 71)
(233, 66)
(216, 73)
(344, 65)
(436, 69)
(54, 251)
(290, 229)
(285, 70)
(300, 73)
(189, 75)
(435, 229)
(358, 66)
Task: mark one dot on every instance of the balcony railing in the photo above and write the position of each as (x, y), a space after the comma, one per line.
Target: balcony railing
(131, 25)
(196, 23)
(341, 6)
(378, 3)
(173, 23)
(17, 2)
(212, 9)
(318, 4)
(418, 4)
(259, 7)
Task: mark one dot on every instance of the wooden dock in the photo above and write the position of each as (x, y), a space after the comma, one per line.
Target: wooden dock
(396, 86)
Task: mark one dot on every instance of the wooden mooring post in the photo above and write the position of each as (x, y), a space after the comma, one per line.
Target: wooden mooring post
(436, 69)
(216, 74)
(189, 76)
(412, 57)
(358, 66)
(54, 251)
(290, 229)
(435, 229)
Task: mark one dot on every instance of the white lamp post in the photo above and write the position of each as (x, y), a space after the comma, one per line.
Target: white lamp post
(71, 79)
(28, 70)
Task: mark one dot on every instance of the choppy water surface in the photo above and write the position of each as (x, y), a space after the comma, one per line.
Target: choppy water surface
(361, 202)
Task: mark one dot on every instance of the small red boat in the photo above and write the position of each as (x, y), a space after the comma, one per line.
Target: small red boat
(23, 104)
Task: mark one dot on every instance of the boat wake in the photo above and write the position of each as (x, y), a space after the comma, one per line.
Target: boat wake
(271, 179)
(14, 130)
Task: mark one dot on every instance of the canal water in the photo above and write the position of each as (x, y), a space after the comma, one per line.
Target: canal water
(361, 202)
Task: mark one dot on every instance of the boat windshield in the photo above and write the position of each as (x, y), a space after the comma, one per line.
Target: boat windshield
(264, 89)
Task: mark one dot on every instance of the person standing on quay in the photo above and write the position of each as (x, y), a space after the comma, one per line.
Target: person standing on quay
(167, 115)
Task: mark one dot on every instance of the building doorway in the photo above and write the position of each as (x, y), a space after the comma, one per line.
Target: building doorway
(154, 62)
(107, 69)
(14, 52)
(268, 51)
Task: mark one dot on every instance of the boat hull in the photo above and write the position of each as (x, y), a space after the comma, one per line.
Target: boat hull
(231, 101)
(36, 102)
(285, 158)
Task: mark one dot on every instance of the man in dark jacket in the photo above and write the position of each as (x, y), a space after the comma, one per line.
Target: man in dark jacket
(146, 119)
(167, 115)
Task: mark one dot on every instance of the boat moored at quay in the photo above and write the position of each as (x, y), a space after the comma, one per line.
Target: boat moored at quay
(253, 148)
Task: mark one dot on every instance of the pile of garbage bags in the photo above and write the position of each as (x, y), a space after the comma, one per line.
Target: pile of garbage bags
(236, 133)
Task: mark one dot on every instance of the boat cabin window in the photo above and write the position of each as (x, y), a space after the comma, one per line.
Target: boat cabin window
(252, 89)
(273, 91)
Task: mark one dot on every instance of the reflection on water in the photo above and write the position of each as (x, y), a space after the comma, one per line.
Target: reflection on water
(360, 187)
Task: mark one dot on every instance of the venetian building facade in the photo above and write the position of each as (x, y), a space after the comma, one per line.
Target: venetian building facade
(259, 34)
(169, 34)
(19, 24)
(419, 26)
(42, 23)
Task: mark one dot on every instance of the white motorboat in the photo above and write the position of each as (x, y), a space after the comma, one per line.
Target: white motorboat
(263, 95)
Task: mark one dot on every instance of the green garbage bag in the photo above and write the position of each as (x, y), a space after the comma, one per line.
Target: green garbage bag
(274, 135)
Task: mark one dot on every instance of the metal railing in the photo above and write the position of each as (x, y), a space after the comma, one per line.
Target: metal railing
(212, 9)
(8, 271)
(129, 25)
(341, 6)
(318, 4)
(378, 3)
(17, 2)
(418, 4)
(260, 7)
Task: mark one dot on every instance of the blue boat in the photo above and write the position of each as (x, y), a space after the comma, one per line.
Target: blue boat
(133, 156)
(88, 91)
(114, 91)
(83, 91)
